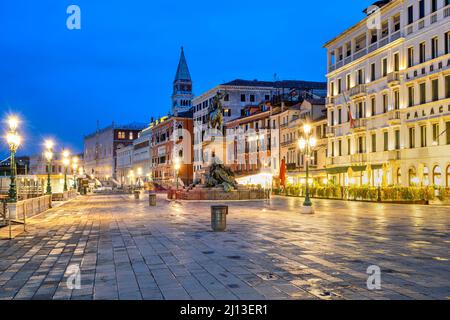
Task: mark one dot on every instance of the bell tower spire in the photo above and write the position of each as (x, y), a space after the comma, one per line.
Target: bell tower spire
(182, 87)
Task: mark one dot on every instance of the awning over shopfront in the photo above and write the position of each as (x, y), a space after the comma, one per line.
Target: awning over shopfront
(313, 173)
(344, 169)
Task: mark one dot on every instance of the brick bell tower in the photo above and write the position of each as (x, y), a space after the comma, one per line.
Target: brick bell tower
(182, 87)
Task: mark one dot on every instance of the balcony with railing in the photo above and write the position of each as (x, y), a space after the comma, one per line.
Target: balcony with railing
(330, 100)
(393, 79)
(363, 51)
(421, 24)
(393, 155)
(359, 157)
(359, 124)
(287, 143)
(394, 117)
(331, 131)
(428, 20)
(292, 166)
(358, 90)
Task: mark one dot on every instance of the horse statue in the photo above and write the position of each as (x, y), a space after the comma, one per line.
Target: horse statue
(215, 111)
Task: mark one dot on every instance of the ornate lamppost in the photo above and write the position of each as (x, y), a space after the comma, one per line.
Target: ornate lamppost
(13, 139)
(66, 164)
(306, 144)
(74, 170)
(49, 144)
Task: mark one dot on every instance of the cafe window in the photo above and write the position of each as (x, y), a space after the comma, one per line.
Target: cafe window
(412, 176)
(448, 176)
(426, 176)
(437, 175)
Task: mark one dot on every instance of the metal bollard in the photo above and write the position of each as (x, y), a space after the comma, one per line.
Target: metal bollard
(152, 199)
(137, 194)
(219, 218)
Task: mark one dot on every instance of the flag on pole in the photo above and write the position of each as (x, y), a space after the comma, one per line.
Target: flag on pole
(350, 117)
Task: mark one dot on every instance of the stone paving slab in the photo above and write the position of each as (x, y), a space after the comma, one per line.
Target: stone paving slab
(124, 249)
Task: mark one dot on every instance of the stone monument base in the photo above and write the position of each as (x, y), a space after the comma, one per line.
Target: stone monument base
(201, 192)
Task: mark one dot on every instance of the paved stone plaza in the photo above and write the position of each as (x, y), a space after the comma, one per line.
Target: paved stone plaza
(127, 250)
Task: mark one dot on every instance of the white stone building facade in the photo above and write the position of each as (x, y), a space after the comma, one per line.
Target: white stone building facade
(389, 97)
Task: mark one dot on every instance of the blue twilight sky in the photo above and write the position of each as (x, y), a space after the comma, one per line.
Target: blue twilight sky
(120, 65)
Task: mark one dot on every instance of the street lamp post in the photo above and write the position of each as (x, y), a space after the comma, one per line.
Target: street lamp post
(74, 170)
(13, 139)
(66, 163)
(139, 179)
(306, 144)
(49, 156)
(177, 169)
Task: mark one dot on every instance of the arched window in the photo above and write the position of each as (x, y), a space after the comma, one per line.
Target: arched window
(448, 176)
(437, 176)
(426, 176)
(412, 177)
(399, 176)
